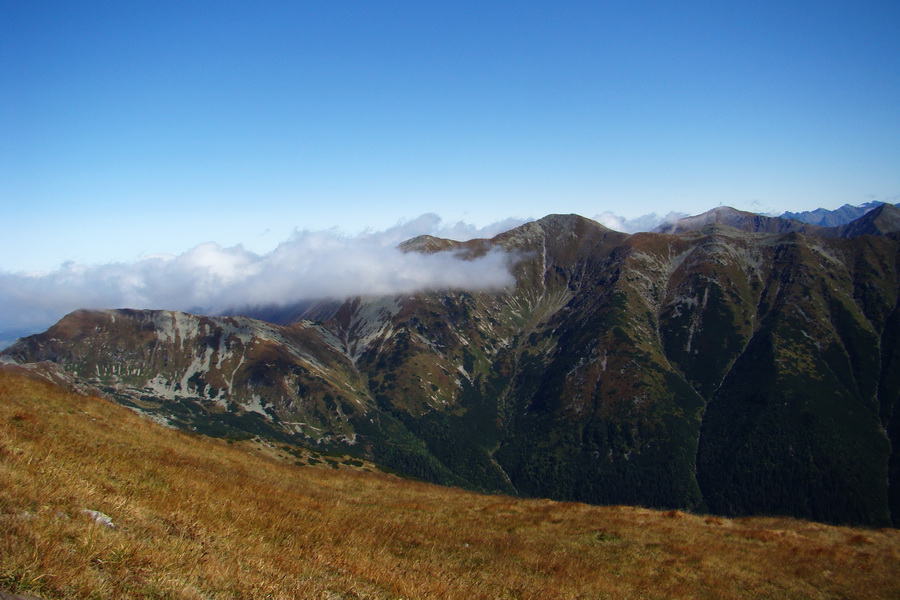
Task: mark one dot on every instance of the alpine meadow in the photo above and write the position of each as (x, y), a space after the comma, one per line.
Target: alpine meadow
(463, 300)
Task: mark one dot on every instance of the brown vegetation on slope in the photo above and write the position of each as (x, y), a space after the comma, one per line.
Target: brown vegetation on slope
(199, 518)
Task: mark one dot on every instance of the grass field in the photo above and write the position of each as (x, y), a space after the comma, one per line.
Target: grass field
(200, 518)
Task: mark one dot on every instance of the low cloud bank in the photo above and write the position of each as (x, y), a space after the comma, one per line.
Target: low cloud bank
(209, 278)
(310, 265)
(643, 223)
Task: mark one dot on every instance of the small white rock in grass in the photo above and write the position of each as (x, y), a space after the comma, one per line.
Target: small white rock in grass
(99, 518)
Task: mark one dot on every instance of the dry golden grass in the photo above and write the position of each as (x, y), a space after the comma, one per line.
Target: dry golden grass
(198, 518)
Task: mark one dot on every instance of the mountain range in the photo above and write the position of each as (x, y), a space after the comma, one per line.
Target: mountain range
(729, 362)
(833, 218)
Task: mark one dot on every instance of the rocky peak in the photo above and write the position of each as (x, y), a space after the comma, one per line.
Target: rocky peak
(427, 244)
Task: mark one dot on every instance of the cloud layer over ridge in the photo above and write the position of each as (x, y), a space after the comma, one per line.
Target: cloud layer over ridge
(210, 279)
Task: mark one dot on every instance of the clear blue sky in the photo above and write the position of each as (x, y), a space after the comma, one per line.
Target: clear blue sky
(136, 127)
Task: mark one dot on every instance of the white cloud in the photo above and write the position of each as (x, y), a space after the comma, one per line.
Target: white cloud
(647, 222)
(210, 278)
(613, 221)
(432, 224)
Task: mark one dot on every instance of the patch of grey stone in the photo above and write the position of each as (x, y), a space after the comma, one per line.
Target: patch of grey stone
(99, 518)
(9, 596)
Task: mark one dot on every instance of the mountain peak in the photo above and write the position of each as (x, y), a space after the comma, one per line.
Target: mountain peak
(559, 235)
(882, 220)
(550, 226)
(426, 244)
(833, 218)
(567, 221)
(649, 364)
(738, 219)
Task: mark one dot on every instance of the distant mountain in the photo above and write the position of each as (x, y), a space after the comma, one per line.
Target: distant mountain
(880, 220)
(832, 218)
(744, 365)
(738, 219)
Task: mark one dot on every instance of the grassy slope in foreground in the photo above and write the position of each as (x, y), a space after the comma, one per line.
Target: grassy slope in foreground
(198, 518)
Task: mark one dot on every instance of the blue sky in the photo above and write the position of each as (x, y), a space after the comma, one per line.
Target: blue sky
(133, 128)
(158, 125)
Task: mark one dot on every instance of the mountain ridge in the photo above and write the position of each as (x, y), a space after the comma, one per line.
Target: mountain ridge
(716, 369)
(738, 219)
(833, 218)
(877, 220)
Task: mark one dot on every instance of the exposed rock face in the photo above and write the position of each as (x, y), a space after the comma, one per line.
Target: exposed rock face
(739, 372)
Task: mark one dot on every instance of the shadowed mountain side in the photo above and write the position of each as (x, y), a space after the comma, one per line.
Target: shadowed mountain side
(832, 218)
(716, 369)
(882, 220)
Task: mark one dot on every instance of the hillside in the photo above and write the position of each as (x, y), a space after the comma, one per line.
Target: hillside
(194, 517)
(736, 371)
